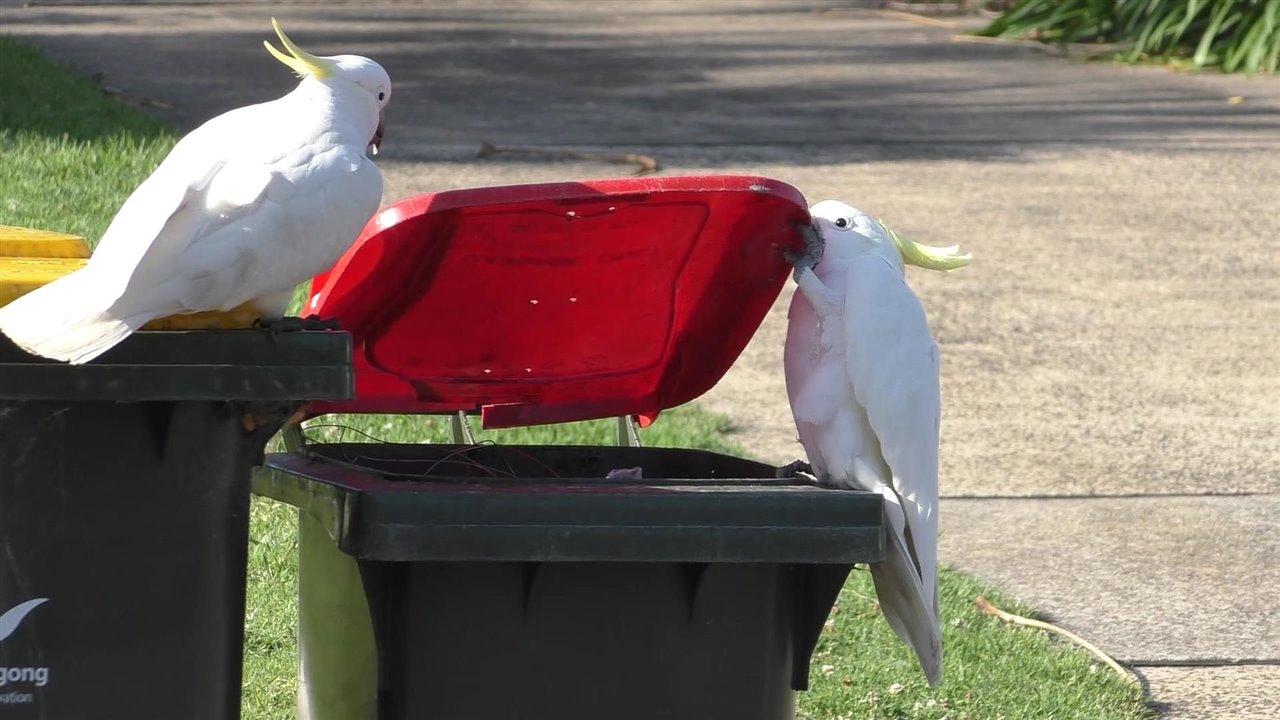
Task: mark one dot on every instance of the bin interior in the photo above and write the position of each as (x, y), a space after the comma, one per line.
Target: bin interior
(540, 463)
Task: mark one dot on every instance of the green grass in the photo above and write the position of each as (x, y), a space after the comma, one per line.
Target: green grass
(71, 156)
(990, 670)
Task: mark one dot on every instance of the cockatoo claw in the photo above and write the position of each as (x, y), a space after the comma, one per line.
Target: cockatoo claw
(278, 325)
(297, 324)
(315, 322)
(793, 469)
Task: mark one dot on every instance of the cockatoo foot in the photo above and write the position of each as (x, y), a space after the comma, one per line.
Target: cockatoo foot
(794, 469)
(315, 322)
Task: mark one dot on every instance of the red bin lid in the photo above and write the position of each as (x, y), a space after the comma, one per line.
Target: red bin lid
(556, 302)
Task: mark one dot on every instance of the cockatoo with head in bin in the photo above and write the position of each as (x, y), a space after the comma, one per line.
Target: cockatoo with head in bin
(242, 210)
(863, 380)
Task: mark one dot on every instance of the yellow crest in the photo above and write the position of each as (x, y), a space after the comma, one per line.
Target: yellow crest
(302, 62)
(926, 256)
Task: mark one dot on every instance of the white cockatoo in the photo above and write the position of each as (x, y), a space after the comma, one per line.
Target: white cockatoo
(242, 210)
(862, 377)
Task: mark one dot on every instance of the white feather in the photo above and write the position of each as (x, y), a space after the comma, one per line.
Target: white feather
(864, 391)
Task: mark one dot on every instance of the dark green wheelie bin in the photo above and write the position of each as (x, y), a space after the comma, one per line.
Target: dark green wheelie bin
(486, 582)
(477, 582)
(124, 510)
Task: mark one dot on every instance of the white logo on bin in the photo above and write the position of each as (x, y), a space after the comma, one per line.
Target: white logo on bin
(34, 676)
(10, 621)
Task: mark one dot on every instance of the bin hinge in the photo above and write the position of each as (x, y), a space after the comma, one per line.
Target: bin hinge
(291, 435)
(628, 432)
(462, 434)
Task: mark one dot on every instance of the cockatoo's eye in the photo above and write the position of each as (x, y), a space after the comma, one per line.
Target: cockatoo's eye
(382, 96)
(842, 222)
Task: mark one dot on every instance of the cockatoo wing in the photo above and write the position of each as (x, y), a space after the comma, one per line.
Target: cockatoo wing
(893, 367)
(232, 203)
(256, 230)
(176, 185)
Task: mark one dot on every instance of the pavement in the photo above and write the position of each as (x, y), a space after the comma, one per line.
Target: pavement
(1111, 405)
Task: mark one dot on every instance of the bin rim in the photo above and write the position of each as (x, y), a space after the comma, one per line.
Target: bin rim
(245, 365)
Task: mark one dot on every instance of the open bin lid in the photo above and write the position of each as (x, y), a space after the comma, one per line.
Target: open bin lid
(558, 302)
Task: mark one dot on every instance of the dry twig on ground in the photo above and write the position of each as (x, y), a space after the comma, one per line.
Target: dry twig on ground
(985, 606)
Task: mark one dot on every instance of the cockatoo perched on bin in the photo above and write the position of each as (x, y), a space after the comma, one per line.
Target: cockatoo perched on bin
(862, 377)
(243, 209)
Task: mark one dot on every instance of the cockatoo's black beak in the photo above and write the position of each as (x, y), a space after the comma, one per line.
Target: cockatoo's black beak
(814, 246)
(376, 143)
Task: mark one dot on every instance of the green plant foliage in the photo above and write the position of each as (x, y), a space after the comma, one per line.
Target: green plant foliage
(1234, 35)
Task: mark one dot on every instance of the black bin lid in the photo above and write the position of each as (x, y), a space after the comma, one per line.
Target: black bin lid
(231, 365)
